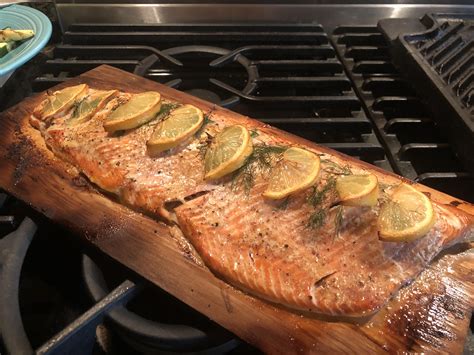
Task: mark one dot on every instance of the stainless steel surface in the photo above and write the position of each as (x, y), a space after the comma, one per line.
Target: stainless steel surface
(8, 2)
(327, 15)
(271, 2)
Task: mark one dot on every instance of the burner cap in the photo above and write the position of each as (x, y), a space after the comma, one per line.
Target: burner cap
(205, 95)
(146, 335)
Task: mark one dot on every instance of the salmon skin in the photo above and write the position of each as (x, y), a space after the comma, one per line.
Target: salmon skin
(339, 267)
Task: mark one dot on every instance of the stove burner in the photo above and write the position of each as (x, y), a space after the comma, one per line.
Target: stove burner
(146, 335)
(146, 68)
(13, 249)
(205, 95)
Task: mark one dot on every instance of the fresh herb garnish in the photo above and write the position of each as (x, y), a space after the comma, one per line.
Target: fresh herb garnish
(318, 195)
(166, 109)
(261, 160)
(77, 107)
(317, 218)
(88, 106)
(202, 147)
(207, 121)
(336, 169)
(384, 196)
(284, 204)
(254, 133)
(205, 144)
(384, 186)
(316, 198)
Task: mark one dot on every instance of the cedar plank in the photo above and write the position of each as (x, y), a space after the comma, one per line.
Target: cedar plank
(30, 171)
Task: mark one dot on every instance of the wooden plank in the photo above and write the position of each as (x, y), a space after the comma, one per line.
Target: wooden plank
(29, 171)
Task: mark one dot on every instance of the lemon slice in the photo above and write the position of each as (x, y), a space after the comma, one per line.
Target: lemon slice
(358, 190)
(180, 125)
(407, 216)
(61, 101)
(228, 152)
(297, 170)
(84, 109)
(140, 109)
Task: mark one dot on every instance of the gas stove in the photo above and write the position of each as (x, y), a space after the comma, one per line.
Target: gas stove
(318, 71)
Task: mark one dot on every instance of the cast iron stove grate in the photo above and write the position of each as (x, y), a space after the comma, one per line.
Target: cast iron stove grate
(403, 122)
(437, 54)
(284, 75)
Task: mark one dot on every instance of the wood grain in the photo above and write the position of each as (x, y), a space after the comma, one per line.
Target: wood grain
(29, 171)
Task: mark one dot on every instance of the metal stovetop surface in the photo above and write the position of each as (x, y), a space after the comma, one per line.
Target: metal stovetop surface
(328, 14)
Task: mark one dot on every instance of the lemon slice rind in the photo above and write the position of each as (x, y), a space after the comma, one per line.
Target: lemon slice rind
(239, 157)
(159, 142)
(115, 122)
(103, 98)
(367, 195)
(74, 92)
(311, 174)
(420, 228)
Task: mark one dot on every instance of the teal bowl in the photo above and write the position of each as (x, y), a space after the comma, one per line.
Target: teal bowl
(20, 17)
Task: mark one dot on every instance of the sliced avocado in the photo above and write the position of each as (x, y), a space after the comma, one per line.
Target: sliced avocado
(6, 47)
(3, 49)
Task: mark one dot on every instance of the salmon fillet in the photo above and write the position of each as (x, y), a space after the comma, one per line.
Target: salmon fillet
(271, 251)
(266, 248)
(119, 163)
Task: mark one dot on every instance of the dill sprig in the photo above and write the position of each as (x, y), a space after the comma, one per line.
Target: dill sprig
(76, 106)
(384, 186)
(335, 168)
(166, 109)
(284, 204)
(85, 106)
(317, 218)
(261, 160)
(254, 133)
(385, 195)
(202, 147)
(316, 198)
(207, 121)
(318, 195)
(164, 112)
